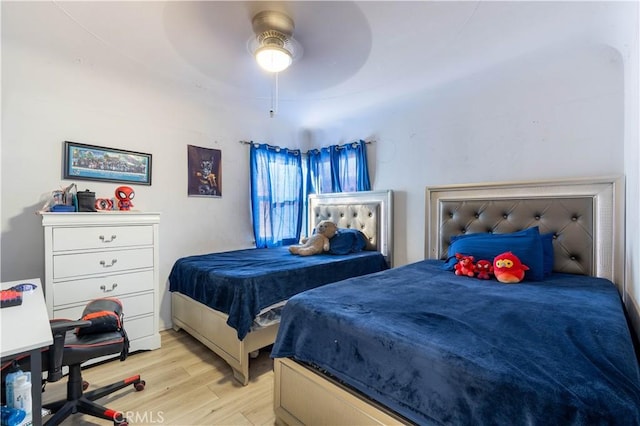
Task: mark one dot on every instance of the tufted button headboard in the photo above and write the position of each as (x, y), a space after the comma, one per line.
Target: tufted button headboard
(363, 217)
(584, 215)
(569, 219)
(370, 212)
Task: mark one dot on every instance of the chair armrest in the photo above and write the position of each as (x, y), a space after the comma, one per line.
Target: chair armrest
(59, 329)
(62, 326)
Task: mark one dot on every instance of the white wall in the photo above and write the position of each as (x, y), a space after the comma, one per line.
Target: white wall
(632, 166)
(47, 100)
(553, 114)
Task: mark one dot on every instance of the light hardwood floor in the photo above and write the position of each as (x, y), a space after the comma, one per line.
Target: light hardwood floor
(186, 384)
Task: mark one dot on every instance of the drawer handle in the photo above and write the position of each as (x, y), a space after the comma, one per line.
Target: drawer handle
(104, 287)
(113, 237)
(104, 264)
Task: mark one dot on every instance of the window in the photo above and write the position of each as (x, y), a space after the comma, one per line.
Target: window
(276, 195)
(279, 194)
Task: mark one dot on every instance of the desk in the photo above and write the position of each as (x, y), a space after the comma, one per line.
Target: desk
(25, 330)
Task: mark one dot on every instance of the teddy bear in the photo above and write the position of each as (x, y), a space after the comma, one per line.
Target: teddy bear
(318, 242)
(465, 265)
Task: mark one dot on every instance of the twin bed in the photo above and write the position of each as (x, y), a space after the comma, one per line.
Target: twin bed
(419, 344)
(231, 301)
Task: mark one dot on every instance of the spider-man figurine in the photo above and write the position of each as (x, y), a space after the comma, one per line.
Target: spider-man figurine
(125, 194)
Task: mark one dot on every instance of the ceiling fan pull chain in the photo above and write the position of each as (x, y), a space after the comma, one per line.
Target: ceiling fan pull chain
(274, 96)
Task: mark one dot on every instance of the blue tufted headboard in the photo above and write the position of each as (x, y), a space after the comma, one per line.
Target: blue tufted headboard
(585, 215)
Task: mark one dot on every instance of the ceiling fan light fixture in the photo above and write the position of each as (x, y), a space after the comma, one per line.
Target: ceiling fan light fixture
(273, 58)
(273, 46)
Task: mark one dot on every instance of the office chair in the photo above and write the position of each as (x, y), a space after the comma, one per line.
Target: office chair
(100, 332)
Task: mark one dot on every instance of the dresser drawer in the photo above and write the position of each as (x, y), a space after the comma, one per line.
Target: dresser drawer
(104, 262)
(92, 237)
(139, 304)
(139, 327)
(67, 292)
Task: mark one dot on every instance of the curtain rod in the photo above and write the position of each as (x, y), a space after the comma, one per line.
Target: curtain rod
(366, 142)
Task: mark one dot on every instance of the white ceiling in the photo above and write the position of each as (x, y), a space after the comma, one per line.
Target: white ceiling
(356, 54)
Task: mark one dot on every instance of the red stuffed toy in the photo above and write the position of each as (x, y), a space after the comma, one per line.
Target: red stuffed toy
(484, 269)
(508, 268)
(465, 265)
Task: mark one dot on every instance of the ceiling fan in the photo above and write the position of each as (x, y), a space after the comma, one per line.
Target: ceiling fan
(273, 45)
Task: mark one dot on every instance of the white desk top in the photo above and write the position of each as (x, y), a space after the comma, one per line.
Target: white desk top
(25, 327)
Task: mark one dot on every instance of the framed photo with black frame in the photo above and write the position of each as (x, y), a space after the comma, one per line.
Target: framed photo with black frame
(90, 162)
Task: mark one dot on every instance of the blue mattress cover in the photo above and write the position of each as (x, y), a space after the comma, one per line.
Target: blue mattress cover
(444, 349)
(241, 283)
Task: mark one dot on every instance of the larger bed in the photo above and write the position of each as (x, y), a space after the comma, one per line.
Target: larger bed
(230, 301)
(419, 344)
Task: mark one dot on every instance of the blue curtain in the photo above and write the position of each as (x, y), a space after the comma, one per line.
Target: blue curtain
(320, 178)
(350, 166)
(338, 168)
(276, 195)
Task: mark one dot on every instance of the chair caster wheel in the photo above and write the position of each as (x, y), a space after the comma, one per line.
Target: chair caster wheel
(120, 420)
(140, 385)
(85, 385)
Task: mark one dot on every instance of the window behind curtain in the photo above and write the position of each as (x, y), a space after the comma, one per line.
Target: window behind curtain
(350, 167)
(279, 194)
(276, 195)
(320, 179)
(338, 168)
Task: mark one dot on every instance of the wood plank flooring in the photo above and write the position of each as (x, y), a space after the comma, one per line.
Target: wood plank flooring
(186, 384)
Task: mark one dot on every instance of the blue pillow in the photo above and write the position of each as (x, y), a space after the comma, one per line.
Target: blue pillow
(525, 244)
(347, 241)
(548, 256)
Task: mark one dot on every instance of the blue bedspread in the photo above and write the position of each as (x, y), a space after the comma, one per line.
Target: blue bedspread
(442, 349)
(243, 282)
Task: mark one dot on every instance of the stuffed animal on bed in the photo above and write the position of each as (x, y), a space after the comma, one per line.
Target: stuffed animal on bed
(318, 242)
(483, 269)
(508, 268)
(464, 266)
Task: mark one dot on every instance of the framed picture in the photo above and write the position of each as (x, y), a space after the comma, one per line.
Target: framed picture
(205, 167)
(89, 162)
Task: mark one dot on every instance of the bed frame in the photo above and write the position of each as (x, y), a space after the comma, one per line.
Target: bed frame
(369, 211)
(585, 215)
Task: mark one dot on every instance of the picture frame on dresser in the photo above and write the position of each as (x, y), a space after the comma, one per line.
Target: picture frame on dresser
(101, 254)
(97, 163)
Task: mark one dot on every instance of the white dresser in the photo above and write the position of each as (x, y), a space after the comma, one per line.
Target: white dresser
(104, 254)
